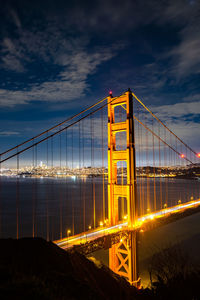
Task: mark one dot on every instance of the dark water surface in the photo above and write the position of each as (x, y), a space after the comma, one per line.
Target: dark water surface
(48, 207)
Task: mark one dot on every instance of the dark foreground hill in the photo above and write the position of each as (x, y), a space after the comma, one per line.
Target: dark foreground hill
(36, 269)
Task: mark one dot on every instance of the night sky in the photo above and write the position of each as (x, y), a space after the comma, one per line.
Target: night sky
(57, 57)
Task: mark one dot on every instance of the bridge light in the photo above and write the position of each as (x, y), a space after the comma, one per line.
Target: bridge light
(179, 201)
(89, 227)
(165, 205)
(110, 93)
(68, 232)
(125, 217)
(101, 223)
(182, 155)
(198, 155)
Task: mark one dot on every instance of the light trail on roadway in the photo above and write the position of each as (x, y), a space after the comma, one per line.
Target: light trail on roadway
(88, 236)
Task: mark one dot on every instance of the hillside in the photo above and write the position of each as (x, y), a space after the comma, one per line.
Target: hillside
(36, 269)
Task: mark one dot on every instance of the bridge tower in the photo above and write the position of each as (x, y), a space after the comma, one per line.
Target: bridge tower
(122, 256)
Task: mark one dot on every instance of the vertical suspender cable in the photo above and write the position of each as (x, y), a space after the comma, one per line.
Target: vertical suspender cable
(139, 162)
(72, 185)
(103, 183)
(84, 226)
(47, 200)
(17, 199)
(161, 206)
(66, 173)
(166, 175)
(92, 166)
(33, 196)
(79, 166)
(154, 173)
(147, 169)
(60, 192)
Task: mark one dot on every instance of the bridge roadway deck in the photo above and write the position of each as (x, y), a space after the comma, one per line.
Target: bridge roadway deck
(101, 233)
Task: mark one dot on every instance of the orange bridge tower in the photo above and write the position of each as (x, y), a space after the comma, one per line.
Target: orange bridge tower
(122, 256)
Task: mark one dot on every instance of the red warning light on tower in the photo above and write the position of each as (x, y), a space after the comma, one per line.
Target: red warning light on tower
(182, 155)
(110, 93)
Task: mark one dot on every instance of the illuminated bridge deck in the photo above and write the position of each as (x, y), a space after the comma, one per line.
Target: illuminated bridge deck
(98, 236)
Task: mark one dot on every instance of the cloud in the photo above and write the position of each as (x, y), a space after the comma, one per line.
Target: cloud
(185, 55)
(11, 56)
(178, 110)
(64, 44)
(15, 18)
(8, 133)
(195, 97)
(72, 82)
(176, 118)
(73, 59)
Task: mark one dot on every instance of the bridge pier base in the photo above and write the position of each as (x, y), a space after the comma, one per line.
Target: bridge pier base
(123, 259)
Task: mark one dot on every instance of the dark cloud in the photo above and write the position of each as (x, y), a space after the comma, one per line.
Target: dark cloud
(53, 53)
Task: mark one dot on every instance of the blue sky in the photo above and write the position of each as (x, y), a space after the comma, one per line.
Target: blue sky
(57, 57)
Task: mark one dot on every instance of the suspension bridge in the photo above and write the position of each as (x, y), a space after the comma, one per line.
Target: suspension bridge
(96, 179)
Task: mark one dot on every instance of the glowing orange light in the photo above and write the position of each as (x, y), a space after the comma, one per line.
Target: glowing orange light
(182, 155)
(198, 155)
